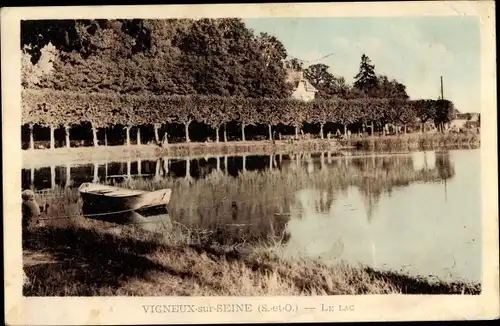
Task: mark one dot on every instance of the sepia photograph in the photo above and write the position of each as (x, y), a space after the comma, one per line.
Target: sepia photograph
(235, 156)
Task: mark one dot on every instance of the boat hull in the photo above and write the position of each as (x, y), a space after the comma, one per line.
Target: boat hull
(102, 199)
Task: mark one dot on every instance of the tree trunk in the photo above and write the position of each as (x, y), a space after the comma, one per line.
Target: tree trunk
(345, 131)
(225, 164)
(405, 128)
(321, 130)
(225, 133)
(138, 135)
(217, 134)
(218, 163)
(186, 128)
(157, 136)
(127, 130)
(94, 133)
(68, 144)
(165, 138)
(106, 171)
(105, 136)
(371, 129)
(139, 167)
(270, 162)
(243, 132)
(270, 132)
(52, 140)
(296, 132)
(244, 163)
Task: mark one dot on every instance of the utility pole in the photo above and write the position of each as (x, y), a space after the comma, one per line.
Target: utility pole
(442, 96)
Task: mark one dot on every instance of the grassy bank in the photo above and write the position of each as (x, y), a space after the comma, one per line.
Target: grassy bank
(82, 155)
(90, 259)
(417, 141)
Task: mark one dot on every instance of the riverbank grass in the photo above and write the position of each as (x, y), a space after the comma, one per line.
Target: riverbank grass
(89, 258)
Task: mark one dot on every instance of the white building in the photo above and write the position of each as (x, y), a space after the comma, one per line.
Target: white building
(462, 120)
(303, 89)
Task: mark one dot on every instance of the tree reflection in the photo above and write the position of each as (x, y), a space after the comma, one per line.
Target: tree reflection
(259, 197)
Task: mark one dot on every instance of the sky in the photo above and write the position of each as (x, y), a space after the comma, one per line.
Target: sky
(414, 50)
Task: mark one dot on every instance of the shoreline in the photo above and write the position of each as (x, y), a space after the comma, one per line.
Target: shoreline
(158, 265)
(85, 155)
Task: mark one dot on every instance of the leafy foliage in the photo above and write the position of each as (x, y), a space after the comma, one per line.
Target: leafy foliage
(445, 111)
(57, 108)
(390, 88)
(326, 83)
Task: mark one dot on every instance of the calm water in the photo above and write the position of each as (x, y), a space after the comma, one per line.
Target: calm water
(416, 212)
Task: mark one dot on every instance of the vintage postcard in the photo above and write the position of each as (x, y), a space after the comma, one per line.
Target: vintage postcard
(250, 163)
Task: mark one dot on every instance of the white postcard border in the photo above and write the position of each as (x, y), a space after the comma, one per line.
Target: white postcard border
(129, 310)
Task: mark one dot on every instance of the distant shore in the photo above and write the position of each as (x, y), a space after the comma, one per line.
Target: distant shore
(100, 154)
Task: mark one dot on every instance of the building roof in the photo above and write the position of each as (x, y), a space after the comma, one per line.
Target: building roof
(297, 77)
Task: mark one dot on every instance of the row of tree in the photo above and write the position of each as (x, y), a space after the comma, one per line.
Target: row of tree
(61, 108)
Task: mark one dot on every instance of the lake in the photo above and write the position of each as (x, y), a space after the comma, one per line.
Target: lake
(419, 212)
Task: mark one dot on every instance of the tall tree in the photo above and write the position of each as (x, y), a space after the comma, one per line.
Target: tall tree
(269, 77)
(33, 74)
(294, 64)
(366, 79)
(325, 82)
(445, 112)
(318, 75)
(390, 88)
(425, 111)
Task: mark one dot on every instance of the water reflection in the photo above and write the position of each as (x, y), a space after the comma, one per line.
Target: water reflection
(376, 209)
(373, 175)
(426, 228)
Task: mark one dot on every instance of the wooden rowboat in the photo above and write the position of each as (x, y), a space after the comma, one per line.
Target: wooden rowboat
(108, 199)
